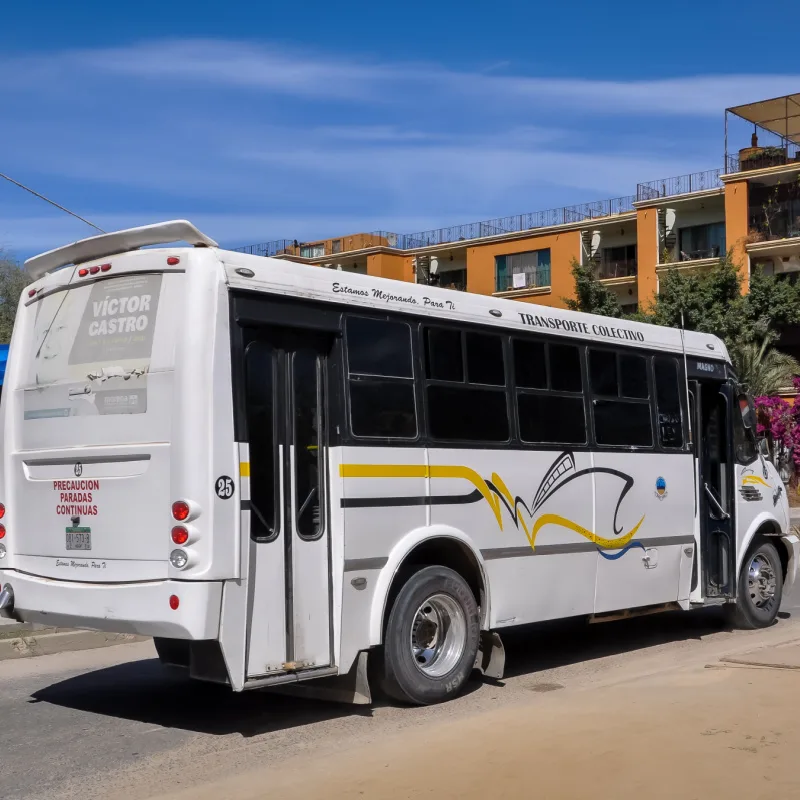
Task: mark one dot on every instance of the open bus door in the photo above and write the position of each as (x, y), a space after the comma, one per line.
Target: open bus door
(712, 404)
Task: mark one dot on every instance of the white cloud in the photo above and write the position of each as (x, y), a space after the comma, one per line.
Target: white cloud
(271, 69)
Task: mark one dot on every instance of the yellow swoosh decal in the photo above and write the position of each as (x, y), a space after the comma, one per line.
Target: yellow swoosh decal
(424, 471)
(749, 479)
(555, 519)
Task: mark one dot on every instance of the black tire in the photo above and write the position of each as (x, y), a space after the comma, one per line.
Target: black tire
(751, 611)
(399, 674)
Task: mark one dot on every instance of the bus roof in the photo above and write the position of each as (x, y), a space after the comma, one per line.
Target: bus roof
(109, 244)
(383, 294)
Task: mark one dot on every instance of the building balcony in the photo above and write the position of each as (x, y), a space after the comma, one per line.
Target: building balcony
(538, 278)
(609, 270)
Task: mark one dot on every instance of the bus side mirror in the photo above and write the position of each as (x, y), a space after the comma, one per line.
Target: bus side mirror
(748, 415)
(763, 447)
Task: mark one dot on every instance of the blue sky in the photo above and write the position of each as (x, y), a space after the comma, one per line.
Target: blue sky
(260, 121)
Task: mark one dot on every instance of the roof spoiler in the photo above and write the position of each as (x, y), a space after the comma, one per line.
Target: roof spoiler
(109, 244)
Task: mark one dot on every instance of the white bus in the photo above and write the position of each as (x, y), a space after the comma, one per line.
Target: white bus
(284, 473)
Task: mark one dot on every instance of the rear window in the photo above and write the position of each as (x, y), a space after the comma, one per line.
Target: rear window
(100, 336)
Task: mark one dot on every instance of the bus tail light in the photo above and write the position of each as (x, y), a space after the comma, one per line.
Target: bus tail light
(180, 535)
(179, 559)
(181, 510)
(2, 531)
(174, 602)
(2, 511)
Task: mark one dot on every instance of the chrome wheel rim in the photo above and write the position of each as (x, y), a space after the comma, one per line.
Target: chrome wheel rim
(438, 635)
(761, 581)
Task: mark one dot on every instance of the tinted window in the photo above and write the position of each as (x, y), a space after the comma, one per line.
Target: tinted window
(530, 367)
(565, 368)
(381, 385)
(443, 354)
(383, 409)
(668, 403)
(622, 424)
(260, 363)
(603, 372)
(485, 359)
(632, 376)
(467, 414)
(378, 347)
(548, 418)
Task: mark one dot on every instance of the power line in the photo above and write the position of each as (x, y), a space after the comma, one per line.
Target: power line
(52, 203)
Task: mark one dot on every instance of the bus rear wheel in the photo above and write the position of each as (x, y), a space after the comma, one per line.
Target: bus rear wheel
(760, 588)
(431, 638)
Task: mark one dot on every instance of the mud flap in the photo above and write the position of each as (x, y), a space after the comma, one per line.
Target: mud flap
(350, 688)
(491, 658)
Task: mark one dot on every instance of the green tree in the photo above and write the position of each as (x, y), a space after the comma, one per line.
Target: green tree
(710, 302)
(12, 283)
(592, 296)
(763, 369)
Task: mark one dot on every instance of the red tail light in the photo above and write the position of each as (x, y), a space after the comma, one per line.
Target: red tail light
(2, 511)
(180, 535)
(173, 260)
(105, 267)
(181, 510)
(2, 531)
(174, 602)
(82, 273)
(94, 270)
(31, 292)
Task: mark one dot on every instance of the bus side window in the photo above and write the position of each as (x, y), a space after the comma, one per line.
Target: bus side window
(261, 364)
(621, 402)
(549, 392)
(380, 379)
(465, 391)
(668, 402)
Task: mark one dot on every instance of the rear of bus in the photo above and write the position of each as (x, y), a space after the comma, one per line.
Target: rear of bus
(102, 434)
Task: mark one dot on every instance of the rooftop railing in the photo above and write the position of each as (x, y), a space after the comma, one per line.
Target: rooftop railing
(682, 184)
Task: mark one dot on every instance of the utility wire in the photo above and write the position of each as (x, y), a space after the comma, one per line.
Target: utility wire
(52, 203)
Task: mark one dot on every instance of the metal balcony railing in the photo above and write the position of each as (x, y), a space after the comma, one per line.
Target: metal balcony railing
(616, 269)
(681, 184)
(536, 278)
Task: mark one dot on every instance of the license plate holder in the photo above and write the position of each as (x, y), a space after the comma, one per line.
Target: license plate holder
(79, 539)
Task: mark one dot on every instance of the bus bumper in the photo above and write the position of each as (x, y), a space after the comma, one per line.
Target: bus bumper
(139, 608)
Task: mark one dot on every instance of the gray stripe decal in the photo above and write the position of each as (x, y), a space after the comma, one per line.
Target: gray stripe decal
(63, 462)
(355, 564)
(493, 553)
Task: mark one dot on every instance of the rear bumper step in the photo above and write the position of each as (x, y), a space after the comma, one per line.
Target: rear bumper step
(137, 608)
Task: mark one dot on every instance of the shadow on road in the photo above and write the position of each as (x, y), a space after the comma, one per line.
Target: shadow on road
(145, 691)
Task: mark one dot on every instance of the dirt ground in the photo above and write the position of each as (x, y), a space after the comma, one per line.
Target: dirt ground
(721, 730)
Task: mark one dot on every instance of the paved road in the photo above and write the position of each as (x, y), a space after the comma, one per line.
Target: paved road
(112, 723)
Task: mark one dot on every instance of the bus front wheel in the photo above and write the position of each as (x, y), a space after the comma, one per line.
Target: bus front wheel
(431, 638)
(760, 588)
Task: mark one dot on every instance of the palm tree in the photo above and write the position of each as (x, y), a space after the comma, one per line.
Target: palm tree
(763, 369)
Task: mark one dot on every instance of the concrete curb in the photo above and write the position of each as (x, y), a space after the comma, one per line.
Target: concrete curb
(49, 641)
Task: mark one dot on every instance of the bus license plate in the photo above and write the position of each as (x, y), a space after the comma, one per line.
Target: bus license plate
(79, 538)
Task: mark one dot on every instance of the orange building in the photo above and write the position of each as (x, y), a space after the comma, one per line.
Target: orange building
(752, 206)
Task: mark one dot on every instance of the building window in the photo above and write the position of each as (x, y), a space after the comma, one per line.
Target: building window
(618, 262)
(527, 270)
(702, 241)
(312, 250)
(336, 246)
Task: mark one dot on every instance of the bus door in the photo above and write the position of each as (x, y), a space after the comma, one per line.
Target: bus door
(289, 598)
(712, 406)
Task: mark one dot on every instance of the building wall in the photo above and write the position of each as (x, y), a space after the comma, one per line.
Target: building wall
(647, 259)
(564, 247)
(390, 265)
(736, 225)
